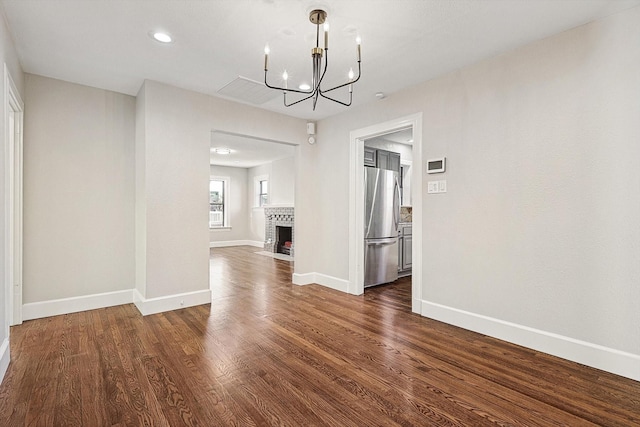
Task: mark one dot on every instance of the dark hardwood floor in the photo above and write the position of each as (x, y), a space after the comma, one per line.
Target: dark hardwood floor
(270, 353)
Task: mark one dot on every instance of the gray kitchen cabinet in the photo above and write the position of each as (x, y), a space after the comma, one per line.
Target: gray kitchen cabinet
(405, 254)
(370, 156)
(394, 161)
(388, 160)
(382, 159)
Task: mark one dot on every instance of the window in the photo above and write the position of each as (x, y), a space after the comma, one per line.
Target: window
(218, 196)
(260, 190)
(263, 194)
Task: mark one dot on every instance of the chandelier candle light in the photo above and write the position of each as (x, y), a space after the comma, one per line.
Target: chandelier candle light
(316, 17)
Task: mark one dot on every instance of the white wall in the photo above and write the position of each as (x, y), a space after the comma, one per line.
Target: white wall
(78, 190)
(306, 190)
(282, 182)
(255, 217)
(238, 209)
(539, 227)
(140, 194)
(177, 136)
(8, 57)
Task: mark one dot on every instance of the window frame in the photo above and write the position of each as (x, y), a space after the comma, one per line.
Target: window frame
(257, 187)
(226, 220)
(263, 201)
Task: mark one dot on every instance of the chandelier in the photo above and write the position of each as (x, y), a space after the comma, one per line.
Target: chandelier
(316, 17)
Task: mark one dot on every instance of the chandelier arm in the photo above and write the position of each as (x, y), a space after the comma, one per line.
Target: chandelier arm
(338, 101)
(283, 88)
(347, 83)
(298, 101)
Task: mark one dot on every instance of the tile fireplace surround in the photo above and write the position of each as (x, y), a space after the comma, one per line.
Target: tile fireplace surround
(277, 217)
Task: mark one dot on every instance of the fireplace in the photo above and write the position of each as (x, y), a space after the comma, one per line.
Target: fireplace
(284, 239)
(279, 233)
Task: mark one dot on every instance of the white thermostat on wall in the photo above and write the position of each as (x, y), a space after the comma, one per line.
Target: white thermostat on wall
(436, 165)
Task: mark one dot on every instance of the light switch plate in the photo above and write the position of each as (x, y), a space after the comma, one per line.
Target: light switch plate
(435, 187)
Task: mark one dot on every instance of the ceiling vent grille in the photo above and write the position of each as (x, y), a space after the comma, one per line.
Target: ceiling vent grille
(248, 90)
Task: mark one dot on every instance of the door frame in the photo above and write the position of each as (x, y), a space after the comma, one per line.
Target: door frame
(356, 203)
(13, 146)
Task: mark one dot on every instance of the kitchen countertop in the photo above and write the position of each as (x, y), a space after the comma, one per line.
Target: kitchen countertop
(406, 213)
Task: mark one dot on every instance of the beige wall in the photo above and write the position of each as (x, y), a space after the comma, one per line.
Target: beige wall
(78, 190)
(539, 226)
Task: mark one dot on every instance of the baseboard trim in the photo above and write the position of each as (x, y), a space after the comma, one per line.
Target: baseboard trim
(5, 357)
(38, 310)
(303, 278)
(597, 356)
(57, 307)
(170, 302)
(229, 243)
(321, 279)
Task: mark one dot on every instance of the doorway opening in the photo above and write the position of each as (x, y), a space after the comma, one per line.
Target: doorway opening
(357, 202)
(388, 210)
(255, 194)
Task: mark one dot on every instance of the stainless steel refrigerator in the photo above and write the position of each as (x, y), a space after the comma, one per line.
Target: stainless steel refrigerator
(382, 213)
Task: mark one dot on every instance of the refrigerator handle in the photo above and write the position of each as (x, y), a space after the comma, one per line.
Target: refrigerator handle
(396, 202)
(382, 243)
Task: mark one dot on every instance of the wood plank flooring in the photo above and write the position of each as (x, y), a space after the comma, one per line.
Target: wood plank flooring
(270, 353)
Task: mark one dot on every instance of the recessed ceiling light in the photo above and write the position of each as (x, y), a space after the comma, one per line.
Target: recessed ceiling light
(162, 37)
(221, 150)
(304, 86)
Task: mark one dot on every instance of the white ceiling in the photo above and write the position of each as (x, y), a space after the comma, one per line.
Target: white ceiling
(105, 43)
(247, 152)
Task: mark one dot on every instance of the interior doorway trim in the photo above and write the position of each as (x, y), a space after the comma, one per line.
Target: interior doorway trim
(356, 203)
(13, 124)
